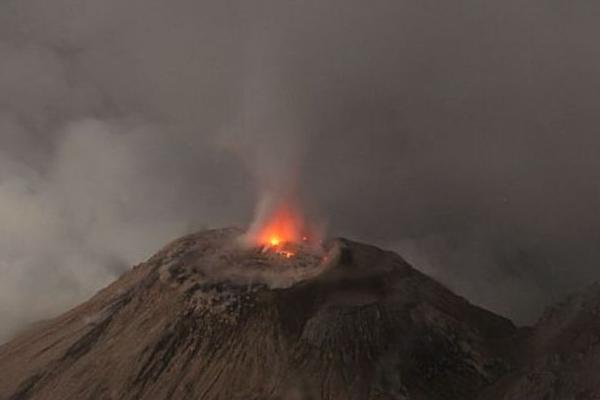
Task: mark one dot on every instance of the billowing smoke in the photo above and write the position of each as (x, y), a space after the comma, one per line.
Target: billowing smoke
(267, 137)
(462, 135)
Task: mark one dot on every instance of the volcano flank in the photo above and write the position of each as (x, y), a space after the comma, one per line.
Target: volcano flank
(207, 318)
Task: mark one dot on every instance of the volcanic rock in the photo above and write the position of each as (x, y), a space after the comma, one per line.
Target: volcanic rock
(207, 318)
(562, 354)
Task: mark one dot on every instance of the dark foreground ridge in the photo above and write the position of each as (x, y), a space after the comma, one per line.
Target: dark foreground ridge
(208, 319)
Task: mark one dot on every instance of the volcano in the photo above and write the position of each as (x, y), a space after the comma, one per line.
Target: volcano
(208, 318)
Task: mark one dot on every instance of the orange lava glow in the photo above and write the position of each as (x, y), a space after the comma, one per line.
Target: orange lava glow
(284, 226)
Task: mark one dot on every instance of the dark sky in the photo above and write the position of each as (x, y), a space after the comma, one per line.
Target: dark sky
(462, 134)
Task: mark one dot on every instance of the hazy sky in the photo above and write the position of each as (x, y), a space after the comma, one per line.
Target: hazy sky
(462, 134)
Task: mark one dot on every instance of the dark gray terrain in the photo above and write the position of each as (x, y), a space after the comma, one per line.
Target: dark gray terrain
(561, 355)
(207, 318)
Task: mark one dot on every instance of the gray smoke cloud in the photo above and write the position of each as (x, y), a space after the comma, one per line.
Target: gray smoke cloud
(461, 134)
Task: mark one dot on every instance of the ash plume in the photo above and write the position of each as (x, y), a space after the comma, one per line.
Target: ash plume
(461, 134)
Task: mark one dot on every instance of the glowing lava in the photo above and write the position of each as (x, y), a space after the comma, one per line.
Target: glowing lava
(284, 225)
(280, 231)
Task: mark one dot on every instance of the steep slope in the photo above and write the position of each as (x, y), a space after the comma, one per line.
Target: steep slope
(563, 360)
(208, 319)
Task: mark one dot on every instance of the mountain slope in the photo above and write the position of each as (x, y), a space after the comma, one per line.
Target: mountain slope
(208, 319)
(563, 360)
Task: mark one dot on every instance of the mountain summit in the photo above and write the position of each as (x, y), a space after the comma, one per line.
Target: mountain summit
(208, 318)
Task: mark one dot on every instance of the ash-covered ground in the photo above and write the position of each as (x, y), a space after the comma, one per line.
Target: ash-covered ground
(208, 317)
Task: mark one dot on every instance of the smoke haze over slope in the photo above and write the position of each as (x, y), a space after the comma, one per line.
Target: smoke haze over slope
(462, 135)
